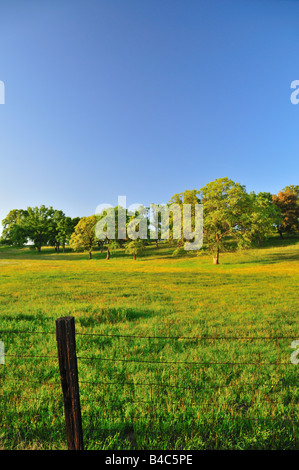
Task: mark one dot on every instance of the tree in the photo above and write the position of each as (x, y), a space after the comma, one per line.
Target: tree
(84, 237)
(191, 198)
(57, 225)
(135, 247)
(111, 248)
(292, 188)
(287, 203)
(37, 225)
(107, 227)
(42, 225)
(13, 233)
(264, 215)
(137, 224)
(154, 226)
(225, 214)
(65, 228)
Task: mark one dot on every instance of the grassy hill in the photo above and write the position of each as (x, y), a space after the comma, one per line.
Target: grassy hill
(173, 352)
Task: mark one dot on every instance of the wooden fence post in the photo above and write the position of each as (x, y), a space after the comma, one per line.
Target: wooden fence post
(66, 345)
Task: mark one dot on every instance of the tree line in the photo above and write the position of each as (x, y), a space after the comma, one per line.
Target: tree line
(41, 226)
(232, 219)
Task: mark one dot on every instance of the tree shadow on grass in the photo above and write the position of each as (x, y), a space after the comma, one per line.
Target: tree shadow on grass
(282, 257)
(152, 253)
(277, 242)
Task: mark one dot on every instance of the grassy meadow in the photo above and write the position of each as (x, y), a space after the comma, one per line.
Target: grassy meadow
(173, 353)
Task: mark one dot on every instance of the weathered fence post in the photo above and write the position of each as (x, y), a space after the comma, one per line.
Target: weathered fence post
(66, 345)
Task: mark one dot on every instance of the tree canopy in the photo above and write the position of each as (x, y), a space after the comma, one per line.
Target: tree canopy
(225, 214)
(84, 236)
(39, 226)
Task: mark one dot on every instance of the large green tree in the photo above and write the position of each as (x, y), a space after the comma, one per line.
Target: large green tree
(65, 228)
(57, 221)
(263, 217)
(180, 225)
(292, 188)
(226, 207)
(84, 237)
(13, 233)
(138, 223)
(38, 225)
(135, 248)
(108, 231)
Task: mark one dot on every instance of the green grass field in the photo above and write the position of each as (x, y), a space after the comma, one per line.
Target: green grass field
(225, 381)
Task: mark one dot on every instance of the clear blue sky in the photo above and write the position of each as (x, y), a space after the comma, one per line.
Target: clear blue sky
(145, 98)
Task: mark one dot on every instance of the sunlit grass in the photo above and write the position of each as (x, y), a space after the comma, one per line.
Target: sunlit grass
(202, 393)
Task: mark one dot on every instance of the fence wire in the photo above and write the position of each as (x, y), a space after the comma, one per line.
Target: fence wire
(121, 397)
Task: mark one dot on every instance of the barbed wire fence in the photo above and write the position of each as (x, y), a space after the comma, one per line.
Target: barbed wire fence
(149, 401)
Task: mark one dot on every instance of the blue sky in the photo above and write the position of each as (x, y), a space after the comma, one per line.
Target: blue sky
(145, 98)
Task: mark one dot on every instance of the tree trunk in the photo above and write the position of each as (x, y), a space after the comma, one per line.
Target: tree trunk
(216, 257)
(157, 246)
(134, 256)
(90, 255)
(38, 248)
(108, 253)
(280, 234)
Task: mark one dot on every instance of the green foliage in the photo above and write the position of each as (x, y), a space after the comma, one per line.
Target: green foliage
(135, 248)
(264, 215)
(226, 206)
(13, 233)
(138, 224)
(107, 224)
(65, 228)
(112, 246)
(176, 216)
(232, 219)
(38, 225)
(84, 237)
